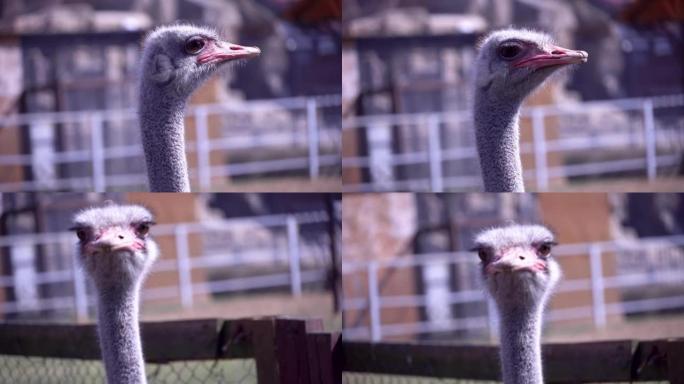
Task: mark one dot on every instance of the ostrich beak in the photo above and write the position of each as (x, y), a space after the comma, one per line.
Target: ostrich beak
(517, 259)
(117, 239)
(557, 56)
(222, 51)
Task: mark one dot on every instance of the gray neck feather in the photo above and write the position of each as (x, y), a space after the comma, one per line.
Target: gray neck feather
(119, 331)
(520, 329)
(498, 143)
(163, 135)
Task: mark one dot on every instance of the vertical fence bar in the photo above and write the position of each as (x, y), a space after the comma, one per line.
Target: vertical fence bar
(492, 320)
(203, 150)
(650, 140)
(312, 130)
(183, 263)
(80, 293)
(97, 153)
(435, 154)
(373, 301)
(293, 251)
(597, 287)
(539, 140)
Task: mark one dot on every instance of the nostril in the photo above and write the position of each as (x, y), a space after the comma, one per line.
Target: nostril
(521, 257)
(557, 52)
(121, 237)
(236, 48)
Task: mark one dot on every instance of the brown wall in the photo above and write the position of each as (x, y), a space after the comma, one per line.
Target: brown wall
(169, 208)
(579, 218)
(378, 227)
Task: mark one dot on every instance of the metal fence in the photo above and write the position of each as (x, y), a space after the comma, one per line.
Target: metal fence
(101, 150)
(597, 283)
(294, 263)
(47, 370)
(598, 138)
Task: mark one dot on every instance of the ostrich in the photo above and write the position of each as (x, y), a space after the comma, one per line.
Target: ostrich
(519, 275)
(116, 253)
(510, 65)
(176, 60)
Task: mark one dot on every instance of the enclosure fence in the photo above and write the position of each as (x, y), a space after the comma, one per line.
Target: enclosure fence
(298, 264)
(593, 362)
(598, 283)
(101, 150)
(236, 351)
(615, 137)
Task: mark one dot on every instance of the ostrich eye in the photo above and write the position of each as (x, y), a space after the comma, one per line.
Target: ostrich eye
(82, 234)
(143, 229)
(194, 45)
(544, 249)
(509, 51)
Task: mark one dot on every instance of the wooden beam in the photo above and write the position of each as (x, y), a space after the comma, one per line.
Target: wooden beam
(433, 360)
(162, 341)
(563, 363)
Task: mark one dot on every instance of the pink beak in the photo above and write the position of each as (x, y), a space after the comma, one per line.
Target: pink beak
(220, 51)
(115, 239)
(558, 56)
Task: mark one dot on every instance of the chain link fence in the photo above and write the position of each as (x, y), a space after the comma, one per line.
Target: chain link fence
(366, 378)
(41, 370)
(369, 378)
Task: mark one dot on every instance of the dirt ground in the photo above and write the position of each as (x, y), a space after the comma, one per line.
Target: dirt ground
(309, 305)
(653, 327)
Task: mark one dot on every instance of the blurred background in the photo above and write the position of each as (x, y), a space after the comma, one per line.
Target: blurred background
(222, 256)
(613, 123)
(68, 95)
(407, 274)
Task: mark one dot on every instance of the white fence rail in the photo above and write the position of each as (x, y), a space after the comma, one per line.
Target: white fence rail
(296, 267)
(627, 129)
(288, 141)
(597, 283)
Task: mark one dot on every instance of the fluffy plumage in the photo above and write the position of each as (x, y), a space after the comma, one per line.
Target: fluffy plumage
(519, 274)
(117, 253)
(511, 63)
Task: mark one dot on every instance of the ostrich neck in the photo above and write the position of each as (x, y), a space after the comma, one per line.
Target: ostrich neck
(119, 332)
(498, 143)
(163, 135)
(520, 330)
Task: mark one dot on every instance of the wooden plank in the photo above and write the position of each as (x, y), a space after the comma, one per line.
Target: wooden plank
(604, 361)
(50, 340)
(580, 362)
(649, 361)
(432, 360)
(162, 341)
(675, 361)
(293, 359)
(325, 357)
(262, 335)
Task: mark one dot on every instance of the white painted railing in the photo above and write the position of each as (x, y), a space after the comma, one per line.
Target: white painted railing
(643, 144)
(597, 283)
(305, 143)
(299, 264)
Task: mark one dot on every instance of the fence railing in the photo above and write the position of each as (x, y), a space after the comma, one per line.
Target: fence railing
(300, 265)
(307, 140)
(597, 283)
(282, 351)
(594, 362)
(637, 142)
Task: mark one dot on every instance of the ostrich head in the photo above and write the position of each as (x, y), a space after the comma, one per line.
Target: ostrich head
(113, 244)
(517, 266)
(178, 58)
(511, 63)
